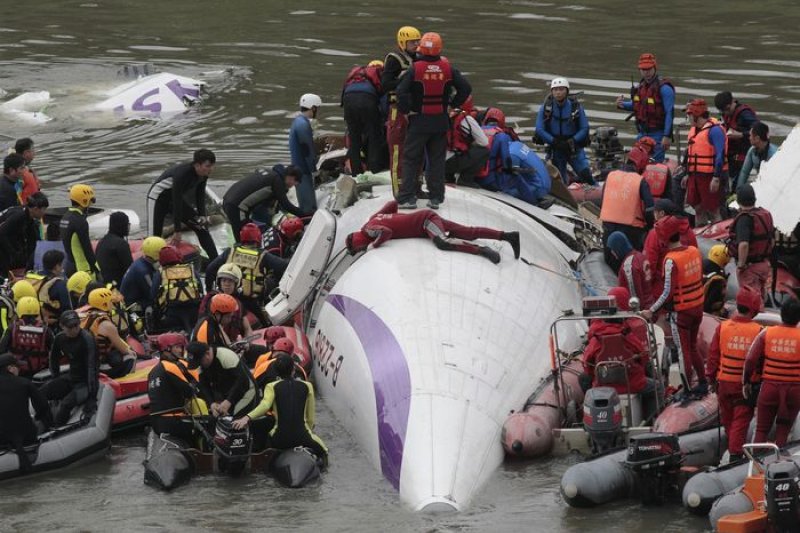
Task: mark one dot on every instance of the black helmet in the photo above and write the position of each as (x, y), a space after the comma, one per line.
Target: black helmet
(69, 319)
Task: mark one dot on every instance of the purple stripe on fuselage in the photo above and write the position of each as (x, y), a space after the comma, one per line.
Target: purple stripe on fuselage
(390, 378)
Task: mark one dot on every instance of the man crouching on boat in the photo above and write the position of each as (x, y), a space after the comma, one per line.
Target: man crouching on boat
(169, 385)
(388, 224)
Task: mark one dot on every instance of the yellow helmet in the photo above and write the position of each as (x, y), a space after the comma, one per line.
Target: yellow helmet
(28, 306)
(375, 63)
(719, 255)
(101, 298)
(407, 33)
(151, 246)
(22, 289)
(82, 194)
(78, 281)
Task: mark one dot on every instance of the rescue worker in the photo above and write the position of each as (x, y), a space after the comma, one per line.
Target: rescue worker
(388, 224)
(726, 355)
(51, 288)
(176, 292)
(303, 151)
(657, 175)
(776, 354)
(264, 370)
(751, 237)
(224, 319)
(272, 334)
(652, 103)
(706, 164)
(634, 272)
(111, 348)
(79, 386)
(181, 191)
(20, 231)
(499, 161)
(8, 310)
(76, 285)
(760, 150)
(682, 297)
(737, 119)
(524, 175)
(17, 428)
(170, 385)
(30, 181)
(467, 151)
(285, 241)
(656, 249)
(137, 283)
(627, 204)
(361, 94)
(13, 164)
(715, 280)
(260, 195)
(28, 338)
(424, 94)
(395, 65)
(292, 402)
(225, 383)
(113, 252)
(75, 232)
(562, 125)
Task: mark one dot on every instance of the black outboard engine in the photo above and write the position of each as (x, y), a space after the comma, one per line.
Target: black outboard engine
(602, 418)
(782, 490)
(656, 459)
(607, 150)
(231, 447)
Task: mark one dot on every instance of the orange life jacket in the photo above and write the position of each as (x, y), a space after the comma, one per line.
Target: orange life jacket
(735, 339)
(91, 322)
(782, 354)
(688, 290)
(435, 78)
(622, 202)
(648, 106)
(761, 240)
(656, 176)
(264, 361)
(701, 151)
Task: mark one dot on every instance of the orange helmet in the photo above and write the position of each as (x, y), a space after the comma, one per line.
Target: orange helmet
(430, 44)
(697, 107)
(291, 227)
(647, 61)
(283, 344)
(250, 234)
(493, 114)
(224, 304)
(639, 157)
(648, 143)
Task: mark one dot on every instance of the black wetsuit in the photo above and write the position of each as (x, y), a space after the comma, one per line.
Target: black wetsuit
(8, 193)
(80, 384)
(77, 244)
(16, 425)
(227, 380)
(259, 192)
(114, 257)
(19, 234)
(169, 385)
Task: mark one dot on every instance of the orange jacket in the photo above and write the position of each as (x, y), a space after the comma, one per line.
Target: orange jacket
(701, 150)
(735, 338)
(688, 290)
(782, 354)
(622, 203)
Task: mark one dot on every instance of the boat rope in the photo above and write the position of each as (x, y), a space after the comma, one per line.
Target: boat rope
(574, 277)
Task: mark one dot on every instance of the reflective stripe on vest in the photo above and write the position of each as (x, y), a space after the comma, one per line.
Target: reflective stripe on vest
(435, 78)
(782, 354)
(647, 105)
(622, 202)
(249, 261)
(656, 175)
(688, 290)
(178, 284)
(701, 150)
(29, 339)
(735, 339)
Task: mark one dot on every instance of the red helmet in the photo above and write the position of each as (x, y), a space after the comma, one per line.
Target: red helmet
(291, 227)
(430, 44)
(647, 143)
(697, 107)
(283, 344)
(647, 60)
(622, 295)
(667, 227)
(274, 333)
(357, 242)
(749, 298)
(169, 255)
(639, 158)
(224, 304)
(250, 234)
(166, 341)
(494, 115)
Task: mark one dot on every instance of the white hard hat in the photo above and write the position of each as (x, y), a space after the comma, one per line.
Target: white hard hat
(310, 100)
(559, 82)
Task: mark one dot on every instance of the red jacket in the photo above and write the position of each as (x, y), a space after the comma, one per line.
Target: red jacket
(634, 346)
(388, 224)
(636, 275)
(656, 250)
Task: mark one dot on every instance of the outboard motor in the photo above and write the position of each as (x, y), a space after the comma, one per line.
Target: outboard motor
(782, 491)
(602, 418)
(656, 459)
(232, 447)
(606, 148)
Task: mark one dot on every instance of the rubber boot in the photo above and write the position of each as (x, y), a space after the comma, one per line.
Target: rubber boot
(512, 238)
(490, 254)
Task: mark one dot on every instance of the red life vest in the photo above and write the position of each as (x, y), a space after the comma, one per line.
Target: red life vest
(435, 78)
(648, 106)
(735, 339)
(456, 140)
(622, 203)
(497, 163)
(29, 342)
(782, 354)
(731, 122)
(656, 176)
(762, 238)
(362, 74)
(688, 290)
(701, 150)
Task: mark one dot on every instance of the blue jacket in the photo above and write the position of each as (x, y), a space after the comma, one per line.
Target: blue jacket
(717, 137)
(532, 181)
(136, 283)
(59, 292)
(561, 124)
(301, 145)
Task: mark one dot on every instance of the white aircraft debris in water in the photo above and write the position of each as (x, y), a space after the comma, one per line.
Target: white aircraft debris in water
(420, 353)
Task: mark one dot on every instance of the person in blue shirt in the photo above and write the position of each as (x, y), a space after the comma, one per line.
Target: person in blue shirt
(138, 280)
(760, 150)
(517, 171)
(562, 125)
(652, 103)
(304, 155)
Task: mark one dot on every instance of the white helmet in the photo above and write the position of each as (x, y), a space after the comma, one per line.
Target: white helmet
(310, 100)
(559, 82)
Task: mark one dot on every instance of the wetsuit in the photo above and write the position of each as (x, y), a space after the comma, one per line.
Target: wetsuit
(169, 385)
(212, 333)
(227, 378)
(9, 196)
(19, 233)
(77, 244)
(304, 157)
(16, 425)
(114, 257)
(181, 191)
(80, 384)
(257, 196)
(137, 283)
(292, 401)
